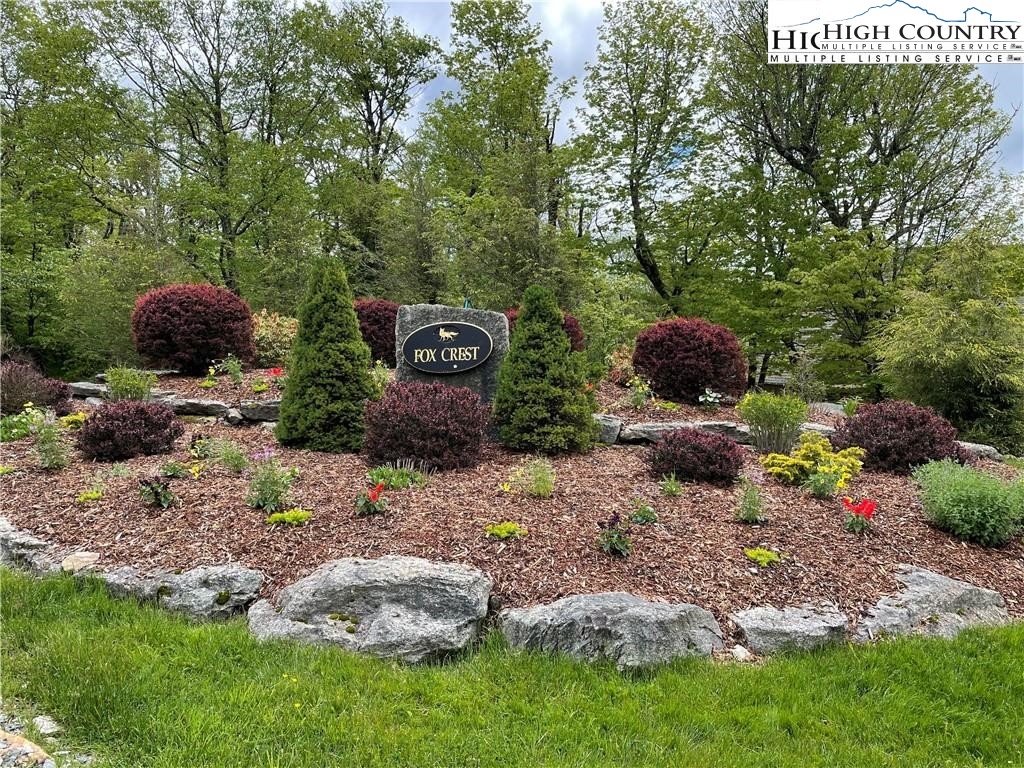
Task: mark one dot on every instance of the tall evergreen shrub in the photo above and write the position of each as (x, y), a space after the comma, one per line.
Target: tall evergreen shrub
(328, 382)
(541, 403)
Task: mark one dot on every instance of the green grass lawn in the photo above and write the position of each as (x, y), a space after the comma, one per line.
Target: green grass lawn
(143, 688)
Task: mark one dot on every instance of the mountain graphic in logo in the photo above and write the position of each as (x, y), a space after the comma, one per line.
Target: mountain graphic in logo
(904, 6)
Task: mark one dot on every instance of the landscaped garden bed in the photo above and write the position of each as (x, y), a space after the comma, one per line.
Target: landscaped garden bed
(693, 553)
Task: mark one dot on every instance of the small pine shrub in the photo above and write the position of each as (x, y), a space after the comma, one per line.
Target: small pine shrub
(293, 517)
(328, 384)
(273, 336)
(128, 428)
(692, 454)
(897, 435)
(571, 326)
(125, 383)
(506, 530)
(774, 420)
(21, 383)
(186, 326)
(970, 504)
(751, 508)
(686, 356)
(542, 403)
(432, 425)
(377, 319)
(50, 447)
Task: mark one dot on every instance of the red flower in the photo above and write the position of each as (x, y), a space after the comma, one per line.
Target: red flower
(374, 493)
(865, 508)
(276, 372)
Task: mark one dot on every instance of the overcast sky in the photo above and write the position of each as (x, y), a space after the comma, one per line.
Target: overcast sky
(571, 26)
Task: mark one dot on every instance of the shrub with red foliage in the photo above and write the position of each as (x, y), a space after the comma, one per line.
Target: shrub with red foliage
(435, 425)
(684, 356)
(693, 454)
(898, 435)
(21, 383)
(570, 325)
(377, 325)
(128, 428)
(187, 326)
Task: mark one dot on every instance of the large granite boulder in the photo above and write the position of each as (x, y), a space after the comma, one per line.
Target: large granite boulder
(20, 549)
(652, 432)
(980, 450)
(392, 607)
(260, 410)
(205, 592)
(87, 389)
(768, 629)
(931, 604)
(483, 379)
(620, 627)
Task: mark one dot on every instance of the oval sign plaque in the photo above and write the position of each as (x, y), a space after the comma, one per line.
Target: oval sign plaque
(447, 347)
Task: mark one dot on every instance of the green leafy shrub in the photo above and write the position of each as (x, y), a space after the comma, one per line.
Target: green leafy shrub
(751, 508)
(764, 558)
(643, 513)
(897, 435)
(815, 456)
(639, 391)
(293, 517)
(273, 336)
(506, 530)
(232, 366)
(270, 483)
(328, 384)
(125, 383)
(692, 454)
(774, 420)
(970, 504)
(613, 539)
(685, 356)
(396, 476)
(804, 383)
(380, 377)
(541, 403)
(822, 485)
(430, 425)
(156, 491)
(850, 406)
(50, 446)
(201, 446)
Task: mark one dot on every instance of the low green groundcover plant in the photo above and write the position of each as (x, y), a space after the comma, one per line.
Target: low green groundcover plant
(970, 504)
(293, 517)
(139, 686)
(506, 530)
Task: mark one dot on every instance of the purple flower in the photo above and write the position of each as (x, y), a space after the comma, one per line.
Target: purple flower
(263, 454)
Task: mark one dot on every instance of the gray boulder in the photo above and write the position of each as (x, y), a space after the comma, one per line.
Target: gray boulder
(610, 427)
(260, 410)
(95, 402)
(980, 450)
(128, 582)
(20, 549)
(623, 628)
(652, 432)
(233, 416)
(821, 429)
(932, 604)
(87, 389)
(768, 629)
(832, 409)
(184, 406)
(210, 591)
(738, 432)
(392, 607)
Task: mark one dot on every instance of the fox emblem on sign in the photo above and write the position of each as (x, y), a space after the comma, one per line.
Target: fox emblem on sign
(446, 335)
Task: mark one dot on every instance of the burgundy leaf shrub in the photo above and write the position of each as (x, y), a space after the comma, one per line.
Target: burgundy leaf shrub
(128, 428)
(22, 383)
(684, 356)
(897, 435)
(570, 325)
(438, 426)
(377, 325)
(186, 326)
(693, 454)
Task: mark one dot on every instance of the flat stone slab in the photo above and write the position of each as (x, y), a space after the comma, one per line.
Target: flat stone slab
(610, 426)
(483, 379)
(768, 629)
(392, 607)
(821, 429)
(652, 432)
(205, 592)
(616, 626)
(932, 604)
(195, 407)
(20, 549)
(833, 409)
(79, 561)
(260, 410)
(980, 450)
(87, 389)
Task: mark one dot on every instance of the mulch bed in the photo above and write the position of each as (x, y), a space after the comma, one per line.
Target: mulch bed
(693, 554)
(225, 391)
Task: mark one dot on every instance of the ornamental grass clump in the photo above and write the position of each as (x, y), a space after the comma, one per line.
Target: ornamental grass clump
(542, 402)
(396, 476)
(751, 508)
(328, 382)
(124, 383)
(692, 454)
(969, 504)
(774, 420)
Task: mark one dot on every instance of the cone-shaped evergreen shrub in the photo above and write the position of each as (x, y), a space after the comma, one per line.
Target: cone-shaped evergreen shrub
(541, 403)
(328, 382)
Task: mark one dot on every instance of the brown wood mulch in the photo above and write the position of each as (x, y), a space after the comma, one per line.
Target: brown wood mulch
(694, 553)
(225, 391)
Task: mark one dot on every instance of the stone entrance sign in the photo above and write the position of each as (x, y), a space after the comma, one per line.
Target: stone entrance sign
(458, 347)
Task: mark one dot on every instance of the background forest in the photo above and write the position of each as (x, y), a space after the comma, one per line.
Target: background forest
(845, 221)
